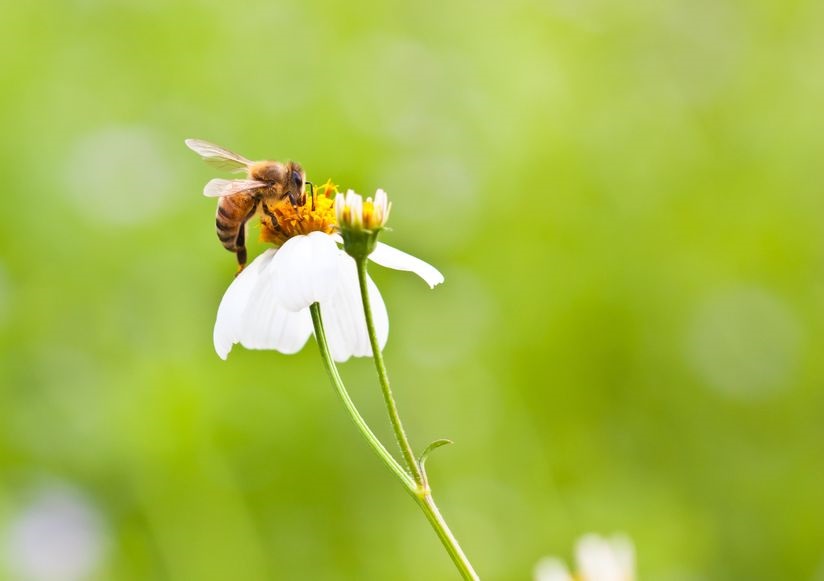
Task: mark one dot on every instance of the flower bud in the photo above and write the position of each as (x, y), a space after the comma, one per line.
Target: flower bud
(361, 221)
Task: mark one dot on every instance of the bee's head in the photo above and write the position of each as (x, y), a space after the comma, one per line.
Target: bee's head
(296, 184)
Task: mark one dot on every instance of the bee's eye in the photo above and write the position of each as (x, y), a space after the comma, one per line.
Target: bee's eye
(297, 179)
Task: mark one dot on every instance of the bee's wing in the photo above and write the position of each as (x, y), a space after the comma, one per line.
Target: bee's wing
(217, 188)
(216, 155)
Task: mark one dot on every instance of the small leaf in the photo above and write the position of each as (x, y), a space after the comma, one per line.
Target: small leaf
(436, 444)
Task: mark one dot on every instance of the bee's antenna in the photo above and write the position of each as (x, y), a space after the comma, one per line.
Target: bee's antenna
(312, 193)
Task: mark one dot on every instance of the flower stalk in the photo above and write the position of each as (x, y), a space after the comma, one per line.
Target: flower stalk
(416, 484)
(363, 427)
(383, 379)
(433, 515)
(423, 492)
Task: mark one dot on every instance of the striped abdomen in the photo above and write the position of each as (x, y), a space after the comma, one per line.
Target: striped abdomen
(232, 213)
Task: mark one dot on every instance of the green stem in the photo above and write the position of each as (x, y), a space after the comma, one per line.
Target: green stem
(423, 493)
(433, 515)
(383, 377)
(372, 440)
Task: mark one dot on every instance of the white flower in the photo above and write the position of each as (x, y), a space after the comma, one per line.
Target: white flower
(267, 305)
(598, 559)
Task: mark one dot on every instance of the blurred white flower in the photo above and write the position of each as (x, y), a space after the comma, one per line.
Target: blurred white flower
(552, 569)
(267, 305)
(597, 559)
(57, 537)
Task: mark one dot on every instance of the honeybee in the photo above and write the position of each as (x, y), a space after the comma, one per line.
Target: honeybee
(241, 199)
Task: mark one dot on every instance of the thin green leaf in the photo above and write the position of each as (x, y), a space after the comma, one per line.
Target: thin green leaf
(430, 448)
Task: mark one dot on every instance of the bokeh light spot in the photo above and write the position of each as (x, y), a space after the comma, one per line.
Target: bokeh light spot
(58, 536)
(120, 175)
(744, 342)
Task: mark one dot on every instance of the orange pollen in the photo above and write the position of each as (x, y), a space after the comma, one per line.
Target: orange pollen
(280, 220)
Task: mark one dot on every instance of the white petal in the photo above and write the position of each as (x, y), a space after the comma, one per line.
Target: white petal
(390, 257)
(249, 314)
(269, 326)
(355, 203)
(381, 199)
(343, 316)
(340, 206)
(601, 559)
(624, 551)
(382, 206)
(230, 312)
(304, 270)
(551, 569)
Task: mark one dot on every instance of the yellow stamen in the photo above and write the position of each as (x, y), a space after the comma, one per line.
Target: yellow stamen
(328, 189)
(369, 219)
(292, 220)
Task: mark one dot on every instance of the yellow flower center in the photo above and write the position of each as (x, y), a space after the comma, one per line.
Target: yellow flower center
(280, 220)
(369, 219)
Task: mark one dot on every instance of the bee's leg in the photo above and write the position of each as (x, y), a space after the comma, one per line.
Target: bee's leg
(240, 248)
(240, 241)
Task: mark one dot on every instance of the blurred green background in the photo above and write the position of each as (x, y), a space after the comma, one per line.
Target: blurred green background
(626, 201)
